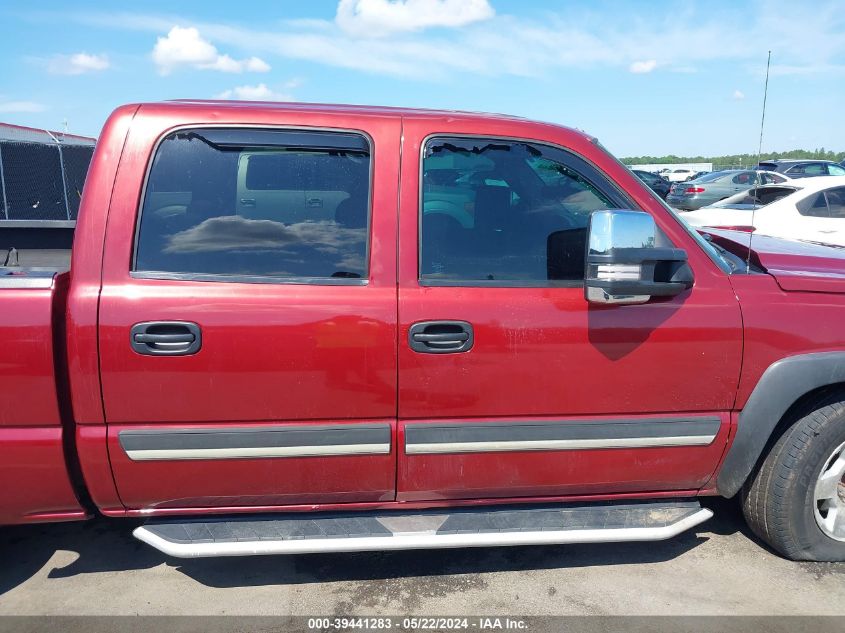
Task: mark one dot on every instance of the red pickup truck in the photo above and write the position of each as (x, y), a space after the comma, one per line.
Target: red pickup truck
(311, 328)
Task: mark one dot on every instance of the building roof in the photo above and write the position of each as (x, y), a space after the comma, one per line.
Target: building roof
(21, 133)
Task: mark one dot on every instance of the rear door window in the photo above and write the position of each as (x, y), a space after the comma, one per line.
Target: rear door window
(256, 203)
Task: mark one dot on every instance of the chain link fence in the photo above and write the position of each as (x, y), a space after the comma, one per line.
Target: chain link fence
(41, 174)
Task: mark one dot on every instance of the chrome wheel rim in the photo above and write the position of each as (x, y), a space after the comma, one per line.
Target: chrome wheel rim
(829, 495)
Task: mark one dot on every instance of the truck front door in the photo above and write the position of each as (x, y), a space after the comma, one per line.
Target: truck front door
(510, 383)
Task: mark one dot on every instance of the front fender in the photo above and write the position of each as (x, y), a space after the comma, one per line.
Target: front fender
(780, 386)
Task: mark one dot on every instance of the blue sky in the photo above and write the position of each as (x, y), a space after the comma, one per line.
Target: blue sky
(645, 77)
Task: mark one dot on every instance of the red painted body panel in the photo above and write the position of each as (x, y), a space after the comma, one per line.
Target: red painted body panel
(399, 505)
(557, 473)
(543, 351)
(796, 265)
(780, 324)
(269, 352)
(92, 450)
(28, 397)
(249, 482)
(709, 487)
(86, 266)
(34, 481)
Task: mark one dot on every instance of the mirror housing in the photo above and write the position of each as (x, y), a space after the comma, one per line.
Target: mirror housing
(623, 263)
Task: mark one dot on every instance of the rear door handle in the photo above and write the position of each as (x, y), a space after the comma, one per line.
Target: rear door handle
(441, 337)
(165, 338)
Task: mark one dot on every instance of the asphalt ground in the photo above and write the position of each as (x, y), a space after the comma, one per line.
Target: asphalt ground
(98, 568)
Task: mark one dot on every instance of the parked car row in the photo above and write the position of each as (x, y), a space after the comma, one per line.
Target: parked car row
(680, 175)
(687, 199)
(790, 198)
(657, 183)
(798, 168)
(717, 186)
(661, 182)
(809, 209)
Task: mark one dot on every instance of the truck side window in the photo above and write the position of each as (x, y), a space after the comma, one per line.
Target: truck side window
(277, 204)
(502, 212)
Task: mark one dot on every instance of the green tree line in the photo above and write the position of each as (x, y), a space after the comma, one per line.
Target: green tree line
(736, 159)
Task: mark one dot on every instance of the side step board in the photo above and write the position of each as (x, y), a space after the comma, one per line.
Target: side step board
(301, 533)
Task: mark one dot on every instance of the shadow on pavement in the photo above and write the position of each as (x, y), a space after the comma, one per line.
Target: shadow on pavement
(101, 545)
(105, 545)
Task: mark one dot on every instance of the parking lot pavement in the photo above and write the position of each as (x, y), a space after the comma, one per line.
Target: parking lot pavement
(98, 568)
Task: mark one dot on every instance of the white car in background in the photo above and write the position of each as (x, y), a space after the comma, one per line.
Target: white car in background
(809, 209)
(679, 175)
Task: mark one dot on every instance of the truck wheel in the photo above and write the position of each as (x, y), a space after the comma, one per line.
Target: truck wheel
(795, 501)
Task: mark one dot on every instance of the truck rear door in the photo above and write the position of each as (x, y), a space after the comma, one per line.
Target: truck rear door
(247, 349)
(510, 383)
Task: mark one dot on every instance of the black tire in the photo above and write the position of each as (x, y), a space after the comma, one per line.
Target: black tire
(778, 499)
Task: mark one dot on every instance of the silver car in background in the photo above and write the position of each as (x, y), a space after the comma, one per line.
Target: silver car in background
(710, 188)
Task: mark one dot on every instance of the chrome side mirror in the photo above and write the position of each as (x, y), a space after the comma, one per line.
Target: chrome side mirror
(624, 264)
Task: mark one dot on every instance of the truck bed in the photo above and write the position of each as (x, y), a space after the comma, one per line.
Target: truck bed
(31, 422)
(35, 248)
(55, 259)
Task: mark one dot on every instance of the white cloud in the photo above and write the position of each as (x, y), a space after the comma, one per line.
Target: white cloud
(379, 18)
(77, 64)
(183, 47)
(260, 92)
(578, 38)
(226, 64)
(739, 95)
(642, 67)
(21, 106)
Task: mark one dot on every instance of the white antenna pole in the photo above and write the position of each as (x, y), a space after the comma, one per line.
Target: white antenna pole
(759, 154)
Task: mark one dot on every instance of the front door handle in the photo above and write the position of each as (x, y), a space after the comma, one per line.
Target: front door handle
(165, 338)
(441, 337)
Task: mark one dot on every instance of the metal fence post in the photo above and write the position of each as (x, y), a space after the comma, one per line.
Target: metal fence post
(3, 183)
(62, 168)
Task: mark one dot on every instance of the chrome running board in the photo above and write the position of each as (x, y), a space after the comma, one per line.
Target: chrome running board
(302, 533)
